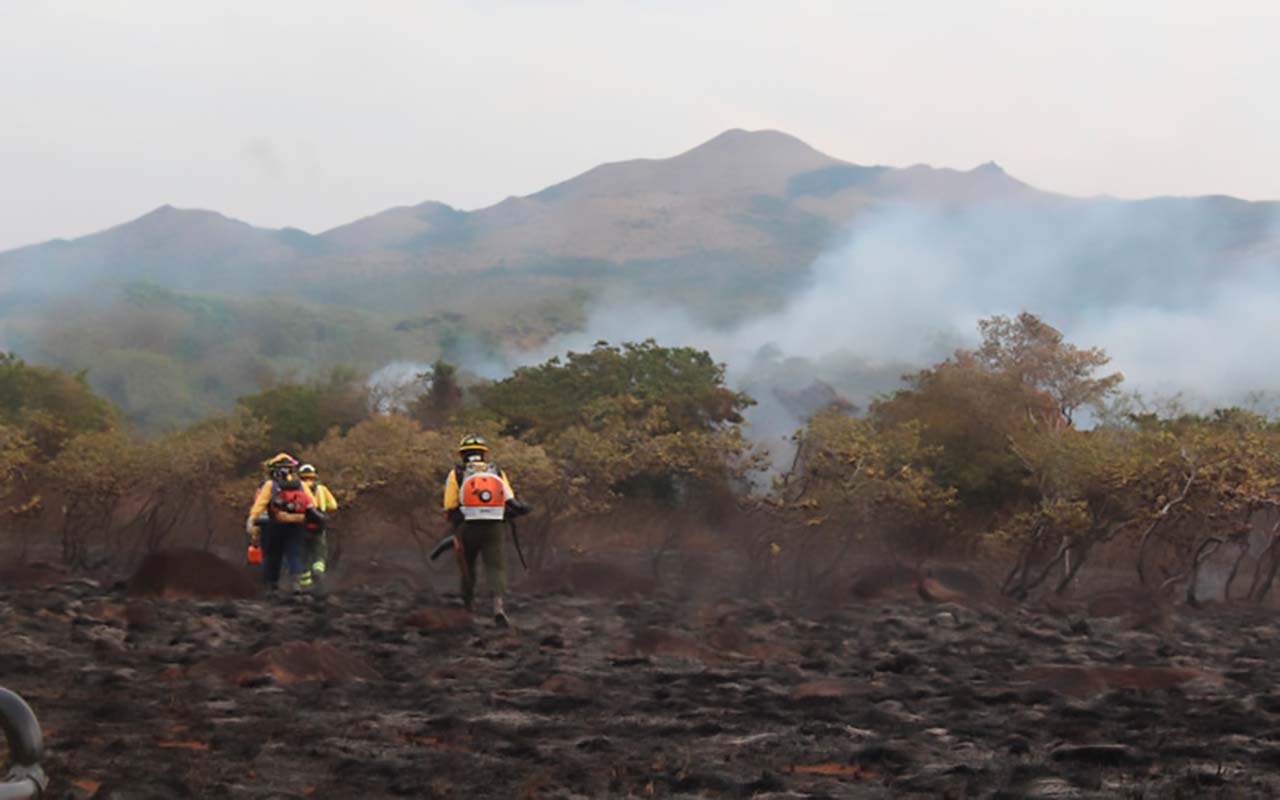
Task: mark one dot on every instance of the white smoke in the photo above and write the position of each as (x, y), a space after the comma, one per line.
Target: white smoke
(394, 386)
(1165, 287)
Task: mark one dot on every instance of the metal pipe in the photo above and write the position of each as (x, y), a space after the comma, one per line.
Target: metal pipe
(25, 779)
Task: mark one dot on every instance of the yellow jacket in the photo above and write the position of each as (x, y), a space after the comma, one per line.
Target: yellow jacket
(263, 499)
(451, 489)
(325, 501)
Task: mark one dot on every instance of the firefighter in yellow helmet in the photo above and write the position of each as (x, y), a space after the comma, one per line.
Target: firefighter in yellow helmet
(316, 546)
(281, 508)
(477, 499)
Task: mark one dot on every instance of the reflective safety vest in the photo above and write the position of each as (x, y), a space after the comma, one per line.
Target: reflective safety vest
(482, 494)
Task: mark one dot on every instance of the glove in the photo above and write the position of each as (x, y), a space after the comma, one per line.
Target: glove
(455, 517)
(517, 507)
(315, 516)
(251, 528)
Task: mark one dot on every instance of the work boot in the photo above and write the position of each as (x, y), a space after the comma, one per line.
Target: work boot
(500, 614)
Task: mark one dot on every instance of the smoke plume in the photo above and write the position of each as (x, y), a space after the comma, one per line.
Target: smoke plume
(1181, 294)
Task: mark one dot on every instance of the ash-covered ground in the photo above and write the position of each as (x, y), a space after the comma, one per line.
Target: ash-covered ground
(380, 689)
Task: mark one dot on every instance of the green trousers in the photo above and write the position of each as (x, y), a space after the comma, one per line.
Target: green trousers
(315, 552)
(487, 540)
(317, 555)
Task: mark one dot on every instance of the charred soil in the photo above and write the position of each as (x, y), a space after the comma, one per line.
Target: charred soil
(382, 692)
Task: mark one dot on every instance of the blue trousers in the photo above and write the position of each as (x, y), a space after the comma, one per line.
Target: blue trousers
(282, 545)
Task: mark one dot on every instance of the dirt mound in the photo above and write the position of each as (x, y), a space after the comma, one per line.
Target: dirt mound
(885, 581)
(1087, 681)
(593, 578)
(291, 662)
(952, 585)
(440, 620)
(959, 579)
(934, 591)
(190, 573)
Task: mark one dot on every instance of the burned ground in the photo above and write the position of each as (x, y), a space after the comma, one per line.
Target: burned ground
(380, 692)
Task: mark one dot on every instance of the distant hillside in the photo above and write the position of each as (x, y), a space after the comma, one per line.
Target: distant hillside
(728, 231)
(742, 213)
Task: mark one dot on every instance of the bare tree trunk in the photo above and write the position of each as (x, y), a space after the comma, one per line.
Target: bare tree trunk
(1266, 567)
(1020, 567)
(1072, 571)
(1268, 563)
(1242, 541)
(1161, 515)
(206, 507)
(834, 563)
(1206, 549)
(1026, 586)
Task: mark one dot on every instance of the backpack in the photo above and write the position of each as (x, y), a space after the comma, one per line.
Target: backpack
(482, 494)
(287, 497)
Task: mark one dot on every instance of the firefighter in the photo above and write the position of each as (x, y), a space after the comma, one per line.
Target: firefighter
(478, 498)
(278, 518)
(316, 544)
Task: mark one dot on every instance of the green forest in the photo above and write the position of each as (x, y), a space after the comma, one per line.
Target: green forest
(1024, 451)
(168, 359)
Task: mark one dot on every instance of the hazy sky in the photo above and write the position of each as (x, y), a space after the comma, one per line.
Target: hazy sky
(314, 113)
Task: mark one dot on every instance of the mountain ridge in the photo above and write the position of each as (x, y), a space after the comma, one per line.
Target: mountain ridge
(745, 210)
(180, 311)
(736, 142)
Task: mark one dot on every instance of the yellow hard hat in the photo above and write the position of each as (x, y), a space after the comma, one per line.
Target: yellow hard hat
(471, 443)
(280, 460)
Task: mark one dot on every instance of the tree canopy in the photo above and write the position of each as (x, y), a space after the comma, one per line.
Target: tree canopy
(683, 383)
